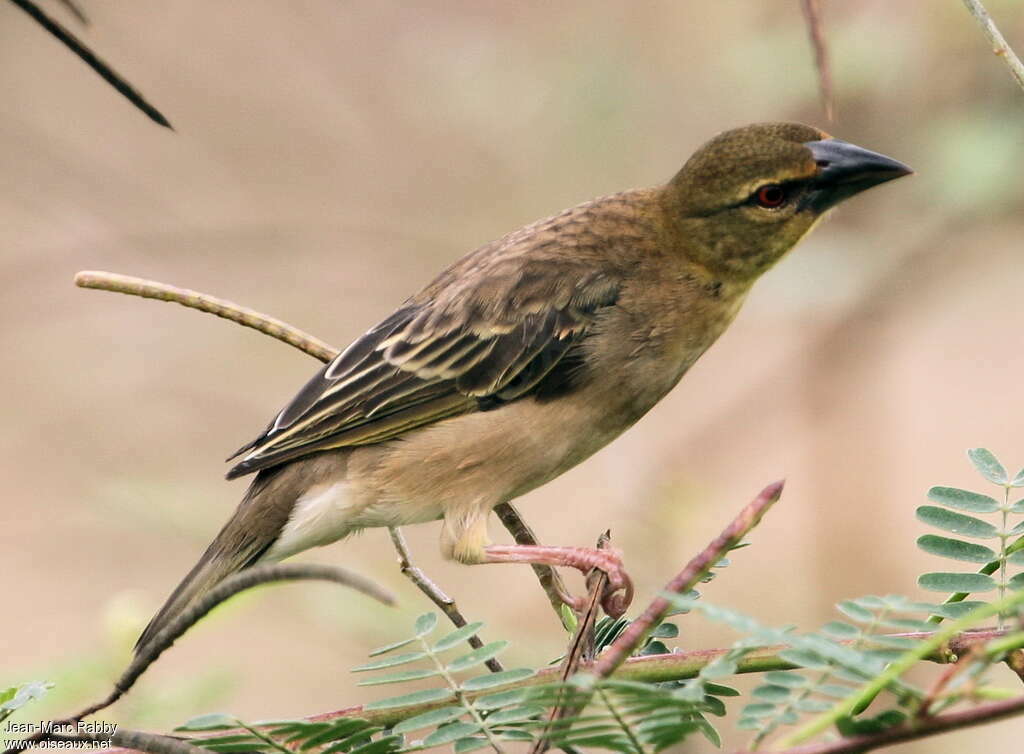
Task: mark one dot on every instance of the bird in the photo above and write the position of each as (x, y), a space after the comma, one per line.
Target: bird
(526, 356)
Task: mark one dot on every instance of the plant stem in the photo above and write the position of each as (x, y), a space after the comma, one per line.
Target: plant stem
(995, 38)
(685, 580)
(433, 592)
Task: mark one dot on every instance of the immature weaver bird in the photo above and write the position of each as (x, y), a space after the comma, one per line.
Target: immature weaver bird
(526, 356)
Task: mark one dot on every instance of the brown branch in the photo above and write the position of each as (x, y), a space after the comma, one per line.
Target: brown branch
(433, 592)
(275, 328)
(918, 729)
(686, 579)
(996, 39)
(812, 15)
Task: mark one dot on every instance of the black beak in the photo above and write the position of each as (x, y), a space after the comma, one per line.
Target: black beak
(845, 169)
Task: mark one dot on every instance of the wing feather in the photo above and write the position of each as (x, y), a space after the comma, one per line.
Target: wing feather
(471, 340)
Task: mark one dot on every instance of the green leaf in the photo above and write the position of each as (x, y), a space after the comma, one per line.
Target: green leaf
(654, 648)
(239, 747)
(834, 690)
(450, 732)
(813, 705)
(987, 465)
(963, 500)
(416, 674)
(391, 662)
(1017, 582)
(210, 721)
(771, 693)
(515, 714)
(803, 658)
(1018, 507)
(464, 745)
(477, 656)
(717, 689)
(503, 699)
(429, 719)
(515, 734)
(854, 610)
(785, 678)
(1018, 481)
(496, 679)
(391, 647)
(416, 697)
(956, 582)
(380, 746)
(458, 636)
(954, 610)
(425, 624)
(955, 549)
(957, 523)
(338, 730)
(758, 710)
(841, 629)
(665, 631)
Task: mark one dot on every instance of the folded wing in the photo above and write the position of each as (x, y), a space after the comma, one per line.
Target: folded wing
(488, 331)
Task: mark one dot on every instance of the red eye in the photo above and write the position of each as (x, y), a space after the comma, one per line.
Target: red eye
(770, 196)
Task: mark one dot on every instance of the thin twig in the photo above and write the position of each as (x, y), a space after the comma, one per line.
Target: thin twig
(549, 579)
(433, 592)
(91, 59)
(182, 622)
(996, 39)
(685, 580)
(275, 328)
(579, 651)
(812, 15)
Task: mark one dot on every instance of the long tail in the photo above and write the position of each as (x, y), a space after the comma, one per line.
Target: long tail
(242, 542)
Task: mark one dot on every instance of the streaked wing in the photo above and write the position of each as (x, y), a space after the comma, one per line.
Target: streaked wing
(477, 337)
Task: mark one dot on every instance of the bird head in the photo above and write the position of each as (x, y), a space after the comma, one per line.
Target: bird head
(750, 194)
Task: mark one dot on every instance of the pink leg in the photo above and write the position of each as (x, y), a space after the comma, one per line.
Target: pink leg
(582, 558)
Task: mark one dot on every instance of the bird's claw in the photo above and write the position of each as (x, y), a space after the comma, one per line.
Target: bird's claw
(618, 592)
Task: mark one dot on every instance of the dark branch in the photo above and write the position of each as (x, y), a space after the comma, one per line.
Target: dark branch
(90, 58)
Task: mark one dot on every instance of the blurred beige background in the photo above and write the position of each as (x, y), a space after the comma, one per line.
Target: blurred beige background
(329, 158)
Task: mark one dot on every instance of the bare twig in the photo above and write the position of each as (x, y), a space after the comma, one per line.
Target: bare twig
(79, 48)
(433, 592)
(275, 328)
(996, 39)
(181, 623)
(579, 651)
(549, 579)
(686, 579)
(812, 15)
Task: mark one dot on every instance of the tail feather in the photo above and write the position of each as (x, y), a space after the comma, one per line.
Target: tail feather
(215, 566)
(242, 542)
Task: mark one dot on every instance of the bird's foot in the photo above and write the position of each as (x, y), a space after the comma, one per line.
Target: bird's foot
(617, 595)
